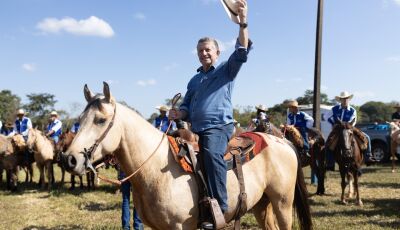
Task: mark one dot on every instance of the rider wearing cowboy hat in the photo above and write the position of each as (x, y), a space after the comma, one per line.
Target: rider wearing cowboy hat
(346, 113)
(261, 119)
(54, 128)
(22, 124)
(301, 120)
(7, 129)
(396, 115)
(162, 122)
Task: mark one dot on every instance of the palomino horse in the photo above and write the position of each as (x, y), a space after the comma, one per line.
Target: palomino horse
(317, 152)
(164, 195)
(9, 161)
(348, 154)
(43, 154)
(395, 141)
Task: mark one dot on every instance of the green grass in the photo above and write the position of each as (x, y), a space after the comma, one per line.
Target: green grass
(31, 208)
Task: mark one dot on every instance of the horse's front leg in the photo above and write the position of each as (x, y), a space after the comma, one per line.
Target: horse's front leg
(359, 202)
(343, 176)
(393, 149)
(350, 179)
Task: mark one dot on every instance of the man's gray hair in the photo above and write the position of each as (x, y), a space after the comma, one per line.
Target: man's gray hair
(208, 39)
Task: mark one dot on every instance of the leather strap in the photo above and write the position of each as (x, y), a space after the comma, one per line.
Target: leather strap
(242, 205)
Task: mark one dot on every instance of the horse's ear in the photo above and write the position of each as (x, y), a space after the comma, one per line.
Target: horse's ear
(88, 94)
(106, 92)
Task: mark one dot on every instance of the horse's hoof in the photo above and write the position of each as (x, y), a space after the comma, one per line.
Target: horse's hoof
(360, 203)
(344, 202)
(393, 171)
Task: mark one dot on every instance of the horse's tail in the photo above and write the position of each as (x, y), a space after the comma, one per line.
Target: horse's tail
(301, 201)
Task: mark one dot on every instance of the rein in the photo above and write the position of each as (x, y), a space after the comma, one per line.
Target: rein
(87, 153)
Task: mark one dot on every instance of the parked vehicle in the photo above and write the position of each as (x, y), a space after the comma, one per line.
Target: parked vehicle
(380, 140)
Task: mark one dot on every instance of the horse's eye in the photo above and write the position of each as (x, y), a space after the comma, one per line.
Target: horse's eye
(100, 121)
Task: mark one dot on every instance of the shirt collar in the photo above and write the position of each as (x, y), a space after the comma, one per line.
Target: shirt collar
(348, 107)
(200, 69)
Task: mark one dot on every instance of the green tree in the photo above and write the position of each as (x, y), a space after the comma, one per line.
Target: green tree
(9, 103)
(39, 107)
(376, 111)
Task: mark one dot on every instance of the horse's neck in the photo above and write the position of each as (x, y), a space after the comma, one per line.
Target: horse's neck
(42, 142)
(139, 141)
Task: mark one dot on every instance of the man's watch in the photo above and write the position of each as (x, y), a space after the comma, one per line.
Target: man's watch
(243, 25)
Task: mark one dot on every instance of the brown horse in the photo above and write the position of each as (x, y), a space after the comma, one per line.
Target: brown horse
(344, 141)
(66, 139)
(164, 195)
(9, 161)
(317, 161)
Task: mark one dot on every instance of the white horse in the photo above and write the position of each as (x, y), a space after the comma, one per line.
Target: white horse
(395, 141)
(164, 195)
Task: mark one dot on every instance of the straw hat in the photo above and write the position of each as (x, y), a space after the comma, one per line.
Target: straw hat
(292, 103)
(262, 108)
(397, 105)
(54, 113)
(20, 112)
(344, 95)
(231, 9)
(163, 108)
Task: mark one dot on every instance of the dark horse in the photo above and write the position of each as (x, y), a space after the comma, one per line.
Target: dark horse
(62, 146)
(347, 144)
(317, 161)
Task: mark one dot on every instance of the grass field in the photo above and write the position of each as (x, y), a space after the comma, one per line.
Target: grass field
(31, 208)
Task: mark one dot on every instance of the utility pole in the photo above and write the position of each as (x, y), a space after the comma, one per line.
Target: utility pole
(317, 68)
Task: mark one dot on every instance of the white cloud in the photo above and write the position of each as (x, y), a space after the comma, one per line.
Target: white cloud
(145, 83)
(397, 2)
(394, 59)
(92, 26)
(30, 67)
(140, 16)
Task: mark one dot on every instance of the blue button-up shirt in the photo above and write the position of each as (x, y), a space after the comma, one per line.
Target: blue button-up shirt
(208, 97)
(343, 114)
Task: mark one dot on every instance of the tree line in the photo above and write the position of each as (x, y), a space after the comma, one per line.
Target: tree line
(39, 106)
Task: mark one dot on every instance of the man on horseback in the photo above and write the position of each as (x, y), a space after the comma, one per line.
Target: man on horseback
(207, 105)
(54, 128)
(261, 122)
(162, 122)
(302, 121)
(396, 115)
(21, 126)
(344, 112)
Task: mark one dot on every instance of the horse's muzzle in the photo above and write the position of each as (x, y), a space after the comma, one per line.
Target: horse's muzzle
(72, 163)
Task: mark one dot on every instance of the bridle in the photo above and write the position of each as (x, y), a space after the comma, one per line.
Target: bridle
(87, 153)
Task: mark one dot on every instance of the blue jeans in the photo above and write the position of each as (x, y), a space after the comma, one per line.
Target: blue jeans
(125, 217)
(213, 143)
(306, 146)
(314, 178)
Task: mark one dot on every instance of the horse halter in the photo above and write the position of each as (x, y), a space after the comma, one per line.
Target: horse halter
(87, 153)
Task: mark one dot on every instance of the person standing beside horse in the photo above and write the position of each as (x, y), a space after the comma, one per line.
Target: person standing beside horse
(261, 121)
(54, 128)
(396, 115)
(344, 112)
(207, 104)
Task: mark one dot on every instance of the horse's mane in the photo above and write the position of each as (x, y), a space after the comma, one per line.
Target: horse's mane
(293, 135)
(333, 138)
(19, 141)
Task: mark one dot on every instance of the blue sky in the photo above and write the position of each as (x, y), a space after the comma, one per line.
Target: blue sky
(145, 49)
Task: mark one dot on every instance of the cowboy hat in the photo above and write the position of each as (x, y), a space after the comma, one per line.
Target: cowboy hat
(20, 112)
(292, 103)
(344, 95)
(54, 113)
(397, 105)
(163, 108)
(262, 108)
(231, 9)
